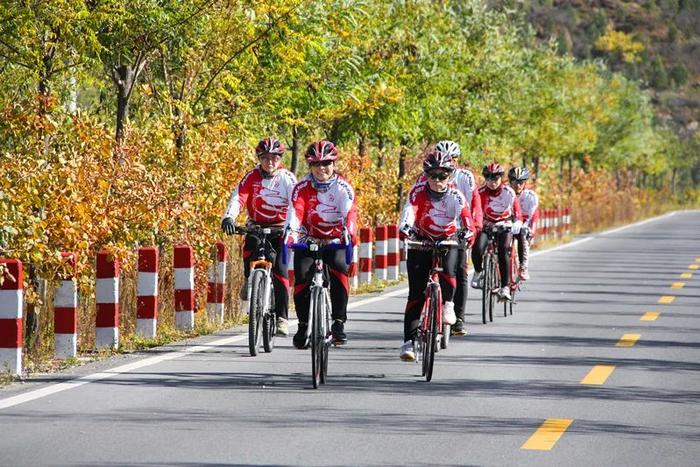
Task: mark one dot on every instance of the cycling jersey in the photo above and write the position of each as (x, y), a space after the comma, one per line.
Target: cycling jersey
(266, 199)
(436, 219)
(464, 181)
(321, 214)
(528, 203)
(499, 205)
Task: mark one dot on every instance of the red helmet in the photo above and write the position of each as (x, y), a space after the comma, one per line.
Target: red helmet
(269, 145)
(492, 168)
(321, 151)
(435, 159)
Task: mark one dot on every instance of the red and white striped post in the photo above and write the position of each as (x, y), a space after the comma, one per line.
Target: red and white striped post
(11, 305)
(217, 279)
(147, 292)
(567, 221)
(545, 223)
(107, 299)
(403, 253)
(65, 311)
(365, 256)
(354, 278)
(184, 287)
(393, 252)
(380, 255)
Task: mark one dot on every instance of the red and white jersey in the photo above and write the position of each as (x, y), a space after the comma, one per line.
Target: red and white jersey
(265, 199)
(528, 203)
(436, 219)
(464, 181)
(321, 214)
(500, 204)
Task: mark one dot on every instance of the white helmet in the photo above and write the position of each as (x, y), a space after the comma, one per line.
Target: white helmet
(449, 148)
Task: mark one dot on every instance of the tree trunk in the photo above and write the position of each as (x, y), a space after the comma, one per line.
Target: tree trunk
(124, 77)
(295, 150)
(536, 167)
(179, 132)
(673, 180)
(402, 173)
(380, 158)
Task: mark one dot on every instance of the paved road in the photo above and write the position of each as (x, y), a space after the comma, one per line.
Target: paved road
(500, 396)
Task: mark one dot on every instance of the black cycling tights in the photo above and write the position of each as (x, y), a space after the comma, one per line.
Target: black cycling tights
(340, 286)
(503, 242)
(419, 264)
(280, 276)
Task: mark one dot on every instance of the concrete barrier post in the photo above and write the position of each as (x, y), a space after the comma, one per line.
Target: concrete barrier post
(65, 311)
(147, 292)
(217, 281)
(107, 300)
(11, 305)
(183, 262)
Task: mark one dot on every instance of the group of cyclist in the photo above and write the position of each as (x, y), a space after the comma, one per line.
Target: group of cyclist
(445, 202)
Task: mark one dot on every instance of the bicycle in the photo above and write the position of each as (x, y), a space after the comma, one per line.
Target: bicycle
(491, 272)
(262, 320)
(431, 315)
(318, 330)
(514, 272)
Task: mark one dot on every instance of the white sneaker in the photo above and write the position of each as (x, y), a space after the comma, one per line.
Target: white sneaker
(448, 313)
(407, 353)
(524, 274)
(478, 280)
(504, 294)
(282, 327)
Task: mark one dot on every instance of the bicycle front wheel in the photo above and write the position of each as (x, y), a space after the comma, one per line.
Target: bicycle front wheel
(269, 324)
(325, 313)
(255, 312)
(493, 279)
(431, 333)
(315, 308)
(485, 290)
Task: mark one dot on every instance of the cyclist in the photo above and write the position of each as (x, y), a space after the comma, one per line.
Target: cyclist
(324, 207)
(499, 203)
(265, 192)
(517, 176)
(436, 211)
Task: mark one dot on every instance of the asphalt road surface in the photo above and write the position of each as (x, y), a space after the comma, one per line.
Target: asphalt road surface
(599, 365)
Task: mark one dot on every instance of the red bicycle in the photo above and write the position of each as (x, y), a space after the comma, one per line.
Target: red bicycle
(431, 331)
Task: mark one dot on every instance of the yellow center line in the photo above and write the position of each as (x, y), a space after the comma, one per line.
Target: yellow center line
(547, 434)
(694, 267)
(666, 299)
(598, 374)
(686, 275)
(678, 285)
(628, 340)
(650, 316)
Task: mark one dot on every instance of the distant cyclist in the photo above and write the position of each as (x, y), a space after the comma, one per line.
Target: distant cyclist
(265, 193)
(323, 207)
(517, 176)
(499, 203)
(435, 211)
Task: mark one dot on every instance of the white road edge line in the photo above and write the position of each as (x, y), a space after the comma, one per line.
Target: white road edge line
(74, 383)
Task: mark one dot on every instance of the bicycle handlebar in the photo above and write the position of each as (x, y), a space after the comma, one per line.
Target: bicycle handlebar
(332, 245)
(257, 229)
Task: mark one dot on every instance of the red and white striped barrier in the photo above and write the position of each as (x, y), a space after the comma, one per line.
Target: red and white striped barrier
(365, 256)
(147, 292)
(567, 221)
(217, 279)
(66, 311)
(380, 255)
(290, 272)
(107, 299)
(403, 252)
(393, 252)
(184, 287)
(11, 304)
(354, 277)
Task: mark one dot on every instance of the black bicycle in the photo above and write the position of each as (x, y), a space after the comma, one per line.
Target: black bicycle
(318, 331)
(262, 321)
(491, 272)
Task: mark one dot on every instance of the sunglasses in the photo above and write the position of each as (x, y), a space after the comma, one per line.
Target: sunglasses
(270, 157)
(321, 164)
(438, 176)
(492, 177)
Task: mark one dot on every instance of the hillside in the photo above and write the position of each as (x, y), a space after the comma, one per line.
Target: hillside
(654, 41)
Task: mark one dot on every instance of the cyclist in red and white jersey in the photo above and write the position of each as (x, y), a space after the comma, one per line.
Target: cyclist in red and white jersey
(265, 193)
(499, 203)
(517, 176)
(324, 207)
(436, 211)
